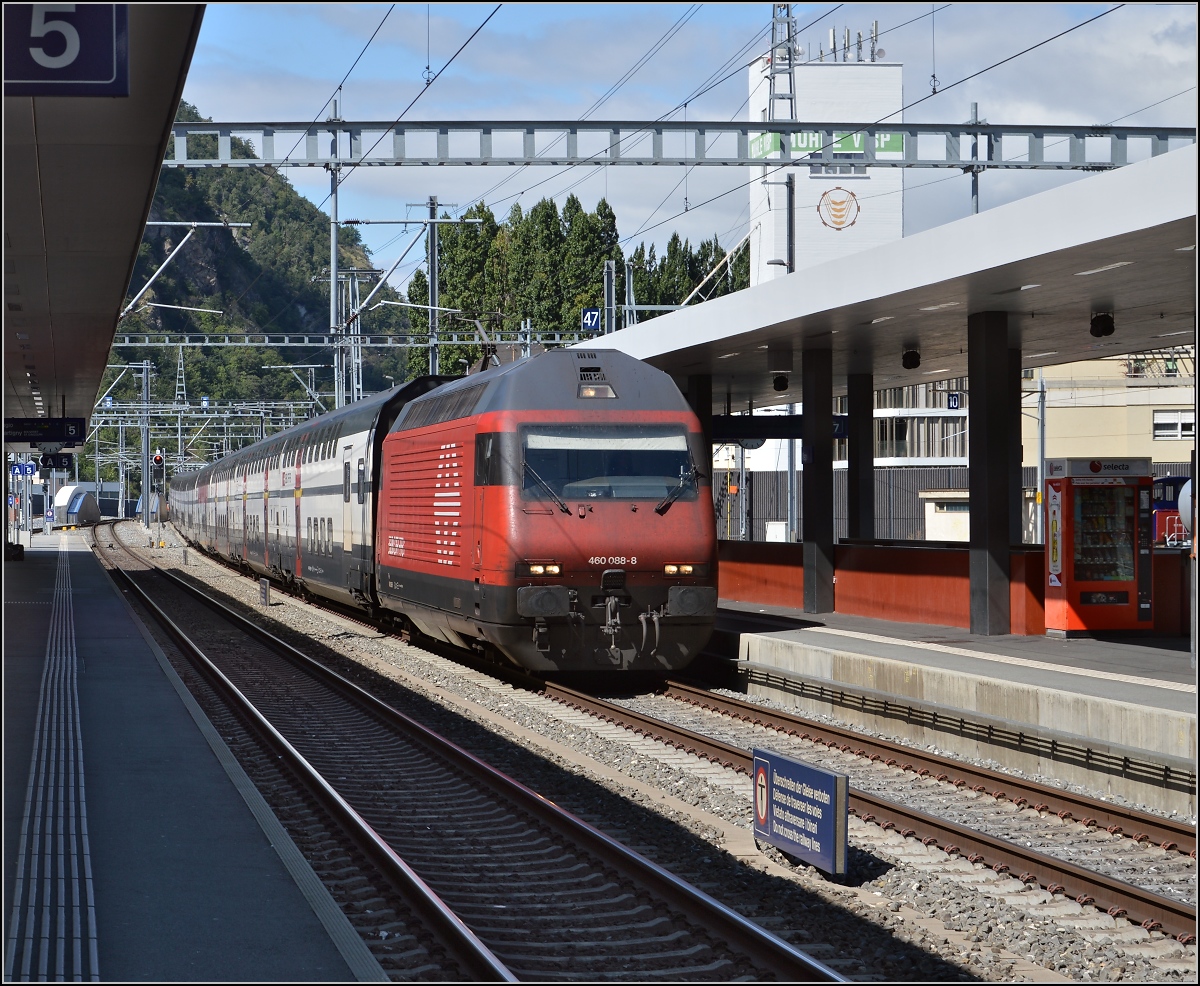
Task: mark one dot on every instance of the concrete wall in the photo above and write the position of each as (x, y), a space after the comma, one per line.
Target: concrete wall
(1155, 731)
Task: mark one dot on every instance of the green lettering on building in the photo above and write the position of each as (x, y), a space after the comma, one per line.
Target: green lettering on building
(809, 142)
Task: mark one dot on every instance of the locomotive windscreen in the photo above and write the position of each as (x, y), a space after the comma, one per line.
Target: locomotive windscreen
(623, 462)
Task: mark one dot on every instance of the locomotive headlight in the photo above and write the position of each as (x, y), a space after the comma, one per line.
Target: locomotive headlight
(540, 568)
(681, 569)
(537, 569)
(553, 569)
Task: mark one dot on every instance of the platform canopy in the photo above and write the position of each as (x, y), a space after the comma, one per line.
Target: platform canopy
(1121, 241)
(79, 177)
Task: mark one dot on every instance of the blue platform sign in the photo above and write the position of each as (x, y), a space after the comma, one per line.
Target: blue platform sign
(589, 320)
(66, 49)
(802, 810)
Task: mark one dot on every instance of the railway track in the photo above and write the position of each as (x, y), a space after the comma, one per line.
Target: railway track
(1057, 875)
(520, 888)
(1140, 826)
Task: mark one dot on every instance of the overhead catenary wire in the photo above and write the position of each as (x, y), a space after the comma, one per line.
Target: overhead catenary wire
(273, 174)
(657, 46)
(908, 106)
(424, 89)
(938, 181)
(637, 139)
(700, 91)
(741, 68)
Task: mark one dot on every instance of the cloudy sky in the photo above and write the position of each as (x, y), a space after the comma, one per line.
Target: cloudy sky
(282, 62)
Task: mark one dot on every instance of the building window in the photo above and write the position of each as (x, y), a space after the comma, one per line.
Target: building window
(1174, 425)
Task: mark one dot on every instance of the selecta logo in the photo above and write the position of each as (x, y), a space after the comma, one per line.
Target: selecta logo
(1096, 466)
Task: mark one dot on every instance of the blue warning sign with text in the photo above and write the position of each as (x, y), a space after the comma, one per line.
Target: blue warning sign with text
(801, 809)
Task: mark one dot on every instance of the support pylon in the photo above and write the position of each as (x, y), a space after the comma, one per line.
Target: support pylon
(180, 383)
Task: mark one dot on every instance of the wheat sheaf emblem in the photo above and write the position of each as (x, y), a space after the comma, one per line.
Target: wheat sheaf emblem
(838, 208)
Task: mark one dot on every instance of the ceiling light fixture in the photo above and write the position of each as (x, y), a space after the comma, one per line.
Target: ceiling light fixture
(727, 355)
(1167, 335)
(1186, 249)
(1052, 352)
(1029, 287)
(938, 308)
(1101, 270)
(885, 318)
(1103, 324)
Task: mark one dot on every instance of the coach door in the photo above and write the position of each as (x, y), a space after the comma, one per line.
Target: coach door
(347, 513)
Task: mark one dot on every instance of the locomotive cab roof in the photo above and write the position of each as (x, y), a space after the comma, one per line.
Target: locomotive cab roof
(555, 380)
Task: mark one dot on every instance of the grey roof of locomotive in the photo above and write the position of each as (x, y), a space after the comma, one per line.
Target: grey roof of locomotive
(549, 381)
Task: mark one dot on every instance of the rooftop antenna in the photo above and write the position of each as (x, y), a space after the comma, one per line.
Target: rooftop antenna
(833, 43)
(427, 75)
(874, 38)
(933, 79)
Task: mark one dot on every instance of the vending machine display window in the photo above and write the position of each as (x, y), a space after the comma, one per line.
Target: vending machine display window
(1105, 524)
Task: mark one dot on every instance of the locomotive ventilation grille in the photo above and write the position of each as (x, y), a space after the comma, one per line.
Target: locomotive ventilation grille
(447, 407)
(591, 374)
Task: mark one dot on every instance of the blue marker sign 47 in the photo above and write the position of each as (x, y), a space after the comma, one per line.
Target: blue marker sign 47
(802, 810)
(589, 320)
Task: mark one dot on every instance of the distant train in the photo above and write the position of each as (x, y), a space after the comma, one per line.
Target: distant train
(551, 509)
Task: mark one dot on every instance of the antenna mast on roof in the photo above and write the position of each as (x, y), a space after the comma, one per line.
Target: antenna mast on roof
(782, 101)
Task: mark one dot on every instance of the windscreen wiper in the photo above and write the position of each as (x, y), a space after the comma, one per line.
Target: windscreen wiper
(689, 477)
(562, 504)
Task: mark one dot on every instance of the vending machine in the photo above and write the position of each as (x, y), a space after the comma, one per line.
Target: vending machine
(1099, 544)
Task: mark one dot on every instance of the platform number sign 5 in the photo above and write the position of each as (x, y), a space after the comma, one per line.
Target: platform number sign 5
(66, 49)
(590, 320)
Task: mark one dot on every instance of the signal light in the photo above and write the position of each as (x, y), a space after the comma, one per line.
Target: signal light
(158, 459)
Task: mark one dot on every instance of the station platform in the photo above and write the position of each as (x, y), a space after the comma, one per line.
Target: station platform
(1070, 709)
(135, 847)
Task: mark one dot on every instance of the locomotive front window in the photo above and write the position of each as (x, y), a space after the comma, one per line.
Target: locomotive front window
(620, 462)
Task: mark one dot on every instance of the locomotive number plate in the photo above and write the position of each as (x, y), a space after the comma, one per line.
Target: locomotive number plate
(612, 560)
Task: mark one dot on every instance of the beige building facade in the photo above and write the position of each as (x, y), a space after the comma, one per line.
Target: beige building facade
(1135, 406)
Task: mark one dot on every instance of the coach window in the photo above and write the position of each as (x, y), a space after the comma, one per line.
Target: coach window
(362, 481)
(346, 482)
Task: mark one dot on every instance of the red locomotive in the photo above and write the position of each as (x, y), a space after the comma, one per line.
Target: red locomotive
(551, 509)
